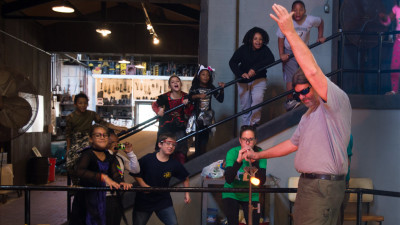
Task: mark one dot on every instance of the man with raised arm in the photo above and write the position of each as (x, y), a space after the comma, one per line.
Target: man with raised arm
(320, 139)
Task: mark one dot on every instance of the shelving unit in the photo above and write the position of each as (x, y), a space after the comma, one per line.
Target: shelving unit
(150, 77)
(139, 91)
(64, 110)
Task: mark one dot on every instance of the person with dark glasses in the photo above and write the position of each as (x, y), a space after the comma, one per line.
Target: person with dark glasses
(320, 139)
(305, 91)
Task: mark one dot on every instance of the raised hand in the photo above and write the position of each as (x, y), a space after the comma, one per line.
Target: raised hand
(283, 18)
(128, 147)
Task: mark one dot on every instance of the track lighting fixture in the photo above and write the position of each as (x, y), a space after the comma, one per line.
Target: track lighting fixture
(150, 27)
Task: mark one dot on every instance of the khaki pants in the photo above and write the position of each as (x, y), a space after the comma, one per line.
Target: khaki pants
(318, 202)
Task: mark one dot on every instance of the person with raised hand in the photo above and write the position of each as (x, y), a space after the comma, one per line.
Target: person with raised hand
(321, 138)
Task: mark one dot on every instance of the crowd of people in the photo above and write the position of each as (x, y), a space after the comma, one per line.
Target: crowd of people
(321, 140)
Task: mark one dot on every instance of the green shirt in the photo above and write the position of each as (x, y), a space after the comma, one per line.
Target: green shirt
(239, 182)
(82, 122)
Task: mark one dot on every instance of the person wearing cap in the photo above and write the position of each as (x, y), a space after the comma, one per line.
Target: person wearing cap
(321, 138)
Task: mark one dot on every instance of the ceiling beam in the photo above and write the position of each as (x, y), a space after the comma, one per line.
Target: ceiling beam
(20, 5)
(90, 20)
(181, 9)
(196, 2)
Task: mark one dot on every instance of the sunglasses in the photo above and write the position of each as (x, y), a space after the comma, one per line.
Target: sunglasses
(305, 91)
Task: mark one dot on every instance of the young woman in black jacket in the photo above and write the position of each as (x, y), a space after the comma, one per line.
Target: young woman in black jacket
(247, 62)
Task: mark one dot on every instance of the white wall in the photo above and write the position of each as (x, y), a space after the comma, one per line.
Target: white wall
(376, 153)
(220, 44)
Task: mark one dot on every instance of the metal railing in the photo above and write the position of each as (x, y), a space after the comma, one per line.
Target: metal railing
(139, 127)
(27, 193)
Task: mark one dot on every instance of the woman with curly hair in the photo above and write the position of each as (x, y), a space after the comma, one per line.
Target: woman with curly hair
(247, 62)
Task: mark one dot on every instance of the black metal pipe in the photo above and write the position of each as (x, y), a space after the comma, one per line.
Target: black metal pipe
(245, 111)
(69, 196)
(236, 115)
(27, 207)
(359, 208)
(219, 88)
(187, 189)
(27, 190)
(380, 37)
(176, 107)
(136, 131)
(342, 58)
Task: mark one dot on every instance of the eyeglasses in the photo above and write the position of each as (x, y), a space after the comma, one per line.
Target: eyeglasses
(99, 135)
(248, 139)
(305, 91)
(169, 143)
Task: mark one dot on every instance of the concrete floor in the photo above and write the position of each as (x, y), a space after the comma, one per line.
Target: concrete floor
(47, 207)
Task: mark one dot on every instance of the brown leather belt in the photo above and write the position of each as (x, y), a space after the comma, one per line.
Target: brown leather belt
(322, 176)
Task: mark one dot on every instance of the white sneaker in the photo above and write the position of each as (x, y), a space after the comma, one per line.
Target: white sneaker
(390, 93)
(291, 104)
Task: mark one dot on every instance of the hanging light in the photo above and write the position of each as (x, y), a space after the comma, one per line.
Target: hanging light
(104, 31)
(124, 61)
(149, 26)
(156, 41)
(63, 8)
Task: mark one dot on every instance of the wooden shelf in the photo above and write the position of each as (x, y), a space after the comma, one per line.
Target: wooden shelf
(150, 77)
(119, 106)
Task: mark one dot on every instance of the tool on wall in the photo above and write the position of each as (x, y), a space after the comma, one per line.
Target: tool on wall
(100, 93)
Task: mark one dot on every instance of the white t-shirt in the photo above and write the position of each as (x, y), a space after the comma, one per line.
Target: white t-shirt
(303, 30)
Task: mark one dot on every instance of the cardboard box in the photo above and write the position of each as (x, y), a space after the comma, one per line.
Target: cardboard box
(7, 175)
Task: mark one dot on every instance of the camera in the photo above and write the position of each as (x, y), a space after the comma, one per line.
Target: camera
(120, 146)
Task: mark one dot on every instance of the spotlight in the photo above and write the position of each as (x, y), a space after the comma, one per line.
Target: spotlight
(156, 41)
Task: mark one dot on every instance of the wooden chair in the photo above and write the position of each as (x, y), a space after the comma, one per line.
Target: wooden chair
(365, 183)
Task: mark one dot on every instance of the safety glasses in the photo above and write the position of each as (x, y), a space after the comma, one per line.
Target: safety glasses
(305, 91)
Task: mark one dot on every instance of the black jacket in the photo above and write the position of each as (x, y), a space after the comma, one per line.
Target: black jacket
(245, 58)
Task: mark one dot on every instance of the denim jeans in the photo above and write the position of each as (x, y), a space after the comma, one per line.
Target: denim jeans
(167, 216)
(251, 94)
